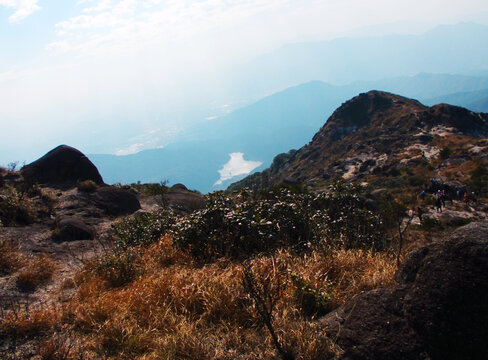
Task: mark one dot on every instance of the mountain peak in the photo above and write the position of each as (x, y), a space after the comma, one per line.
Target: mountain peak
(379, 132)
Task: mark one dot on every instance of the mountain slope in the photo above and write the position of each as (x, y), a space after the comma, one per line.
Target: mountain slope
(381, 133)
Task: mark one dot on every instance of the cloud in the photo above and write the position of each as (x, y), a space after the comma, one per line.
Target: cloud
(23, 8)
(117, 23)
(236, 166)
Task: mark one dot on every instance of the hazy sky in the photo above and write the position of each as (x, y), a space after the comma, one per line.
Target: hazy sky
(85, 72)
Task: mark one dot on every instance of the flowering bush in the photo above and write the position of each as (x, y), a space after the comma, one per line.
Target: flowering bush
(141, 229)
(347, 222)
(246, 223)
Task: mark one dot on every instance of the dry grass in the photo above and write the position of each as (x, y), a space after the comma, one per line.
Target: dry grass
(178, 310)
(38, 271)
(11, 259)
(87, 186)
(21, 321)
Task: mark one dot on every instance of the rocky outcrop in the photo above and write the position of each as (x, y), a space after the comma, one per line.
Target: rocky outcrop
(437, 310)
(378, 135)
(115, 201)
(72, 228)
(182, 202)
(63, 165)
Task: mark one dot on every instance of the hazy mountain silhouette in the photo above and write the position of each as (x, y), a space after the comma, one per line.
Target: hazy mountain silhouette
(445, 49)
(472, 100)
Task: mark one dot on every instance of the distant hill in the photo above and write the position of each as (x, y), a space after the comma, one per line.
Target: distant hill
(450, 49)
(280, 122)
(381, 137)
(472, 100)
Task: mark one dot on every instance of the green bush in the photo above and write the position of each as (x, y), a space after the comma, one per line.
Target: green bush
(430, 223)
(347, 223)
(238, 226)
(311, 301)
(153, 189)
(248, 222)
(119, 268)
(141, 229)
(15, 209)
(445, 153)
(479, 180)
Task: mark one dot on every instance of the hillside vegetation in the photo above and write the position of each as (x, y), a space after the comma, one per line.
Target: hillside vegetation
(144, 271)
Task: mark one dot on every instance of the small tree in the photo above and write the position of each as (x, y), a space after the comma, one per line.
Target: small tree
(264, 288)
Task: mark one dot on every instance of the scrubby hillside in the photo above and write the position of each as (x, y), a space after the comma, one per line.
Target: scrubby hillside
(143, 271)
(386, 140)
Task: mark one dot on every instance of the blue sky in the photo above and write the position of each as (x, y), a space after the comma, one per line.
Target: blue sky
(90, 72)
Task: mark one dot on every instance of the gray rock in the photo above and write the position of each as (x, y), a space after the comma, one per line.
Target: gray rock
(115, 201)
(437, 310)
(72, 228)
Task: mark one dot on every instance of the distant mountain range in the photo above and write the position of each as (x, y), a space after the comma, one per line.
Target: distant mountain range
(453, 49)
(288, 119)
(472, 100)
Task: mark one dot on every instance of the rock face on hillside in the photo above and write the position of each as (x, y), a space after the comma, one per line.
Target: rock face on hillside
(115, 201)
(63, 165)
(381, 133)
(437, 310)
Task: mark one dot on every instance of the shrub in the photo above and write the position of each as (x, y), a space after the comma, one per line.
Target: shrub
(37, 272)
(243, 224)
(479, 180)
(118, 269)
(15, 209)
(430, 223)
(87, 186)
(445, 153)
(141, 229)
(153, 189)
(10, 257)
(310, 300)
(347, 223)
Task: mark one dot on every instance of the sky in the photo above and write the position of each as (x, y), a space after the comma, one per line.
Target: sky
(119, 76)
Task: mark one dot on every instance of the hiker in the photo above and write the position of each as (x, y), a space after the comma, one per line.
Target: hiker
(466, 197)
(438, 202)
(443, 198)
(422, 195)
(420, 212)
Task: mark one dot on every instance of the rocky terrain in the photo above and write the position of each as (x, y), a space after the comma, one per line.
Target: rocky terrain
(75, 224)
(332, 255)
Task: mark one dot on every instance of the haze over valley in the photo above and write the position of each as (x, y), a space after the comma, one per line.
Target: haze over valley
(206, 112)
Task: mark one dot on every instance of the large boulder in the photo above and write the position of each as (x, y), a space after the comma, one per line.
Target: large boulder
(69, 228)
(182, 202)
(437, 310)
(115, 201)
(63, 165)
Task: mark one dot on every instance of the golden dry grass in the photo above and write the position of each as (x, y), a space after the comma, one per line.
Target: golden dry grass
(179, 310)
(20, 321)
(38, 271)
(176, 308)
(11, 259)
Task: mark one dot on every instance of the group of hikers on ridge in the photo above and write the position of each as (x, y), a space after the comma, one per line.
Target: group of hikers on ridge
(442, 192)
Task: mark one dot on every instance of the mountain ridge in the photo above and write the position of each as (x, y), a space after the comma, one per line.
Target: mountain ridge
(379, 132)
